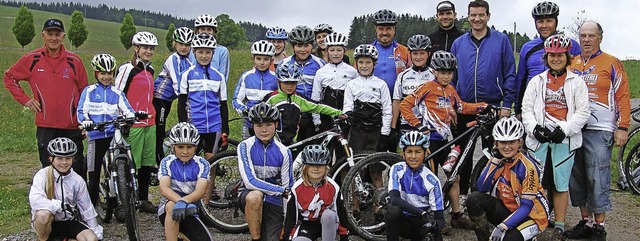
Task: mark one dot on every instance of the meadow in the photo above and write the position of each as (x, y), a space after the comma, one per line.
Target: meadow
(18, 151)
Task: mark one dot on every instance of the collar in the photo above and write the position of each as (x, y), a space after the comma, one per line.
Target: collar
(485, 36)
(590, 57)
(393, 44)
(61, 52)
(452, 29)
(419, 69)
(263, 145)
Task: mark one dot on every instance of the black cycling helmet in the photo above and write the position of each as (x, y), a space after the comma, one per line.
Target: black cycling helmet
(442, 60)
(263, 112)
(545, 10)
(419, 42)
(315, 155)
(62, 147)
(301, 34)
(385, 17)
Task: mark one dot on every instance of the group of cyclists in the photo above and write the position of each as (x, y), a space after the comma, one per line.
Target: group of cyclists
(393, 96)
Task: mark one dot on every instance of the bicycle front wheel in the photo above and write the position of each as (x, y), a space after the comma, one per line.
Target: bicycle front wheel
(106, 203)
(632, 169)
(127, 202)
(340, 168)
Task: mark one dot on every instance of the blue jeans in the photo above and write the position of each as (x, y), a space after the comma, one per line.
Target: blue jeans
(592, 167)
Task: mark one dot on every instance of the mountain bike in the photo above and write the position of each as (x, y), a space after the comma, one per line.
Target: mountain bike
(626, 159)
(366, 205)
(119, 186)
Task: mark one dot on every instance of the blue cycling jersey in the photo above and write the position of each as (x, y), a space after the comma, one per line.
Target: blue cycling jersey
(420, 188)
(100, 103)
(167, 84)
(309, 69)
(205, 89)
(251, 89)
(219, 61)
(184, 175)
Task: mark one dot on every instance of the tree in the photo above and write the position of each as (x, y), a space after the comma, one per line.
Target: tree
(23, 27)
(127, 30)
(574, 28)
(230, 34)
(78, 32)
(169, 37)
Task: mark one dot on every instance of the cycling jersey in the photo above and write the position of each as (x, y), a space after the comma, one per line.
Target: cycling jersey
(137, 84)
(184, 176)
(608, 90)
(252, 87)
(69, 189)
(100, 103)
(329, 84)
(442, 39)
(437, 105)
(309, 68)
(56, 83)
(203, 99)
(392, 60)
(408, 82)
(517, 184)
(266, 168)
(220, 60)
(372, 91)
(420, 188)
(167, 84)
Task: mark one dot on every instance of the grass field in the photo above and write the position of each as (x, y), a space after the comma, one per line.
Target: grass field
(18, 153)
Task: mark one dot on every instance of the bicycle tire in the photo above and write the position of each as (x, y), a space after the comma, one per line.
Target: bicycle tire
(623, 155)
(375, 231)
(476, 171)
(126, 194)
(224, 214)
(106, 204)
(342, 163)
(631, 166)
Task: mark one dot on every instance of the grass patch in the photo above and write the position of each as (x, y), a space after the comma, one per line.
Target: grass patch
(16, 172)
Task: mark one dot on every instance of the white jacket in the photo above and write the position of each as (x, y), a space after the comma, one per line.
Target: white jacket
(373, 90)
(334, 76)
(75, 193)
(533, 108)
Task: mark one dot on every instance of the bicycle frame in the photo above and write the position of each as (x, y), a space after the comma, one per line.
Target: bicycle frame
(117, 147)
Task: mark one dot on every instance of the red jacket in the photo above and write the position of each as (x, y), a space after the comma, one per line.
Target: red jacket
(56, 83)
(137, 84)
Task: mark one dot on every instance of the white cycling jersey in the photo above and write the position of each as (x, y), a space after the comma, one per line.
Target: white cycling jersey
(334, 76)
(373, 90)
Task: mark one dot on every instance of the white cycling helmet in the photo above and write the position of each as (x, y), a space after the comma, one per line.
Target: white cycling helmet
(335, 39)
(276, 33)
(414, 138)
(103, 63)
(62, 147)
(301, 34)
(385, 17)
(263, 47)
(184, 133)
(204, 40)
(183, 35)
(508, 129)
(144, 38)
(323, 28)
(205, 20)
(365, 50)
(442, 60)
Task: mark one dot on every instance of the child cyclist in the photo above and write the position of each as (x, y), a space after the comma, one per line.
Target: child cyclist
(265, 167)
(135, 79)
(291, 104)
(437, 103)
(183, 180)
(516, 203)
(206, 23)
(256, 83)
(278, 37)
(332, 78)
(367, 101)
(414, 193)
(60, 204)
(100, 102)
(315, 208)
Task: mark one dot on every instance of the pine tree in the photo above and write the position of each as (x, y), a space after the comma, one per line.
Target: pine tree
(127, 30)
(78, 32)
(169, 37)
(23, 27)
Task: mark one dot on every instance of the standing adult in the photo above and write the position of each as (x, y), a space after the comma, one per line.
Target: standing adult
(393, 57)
(545, 16)
(206, 23)
(608, 123)
(447, 32)
(56, 77)
(486, 73)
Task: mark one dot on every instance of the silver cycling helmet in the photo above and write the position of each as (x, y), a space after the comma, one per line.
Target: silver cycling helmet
(263, 112)
(365, 50)
(103, 63)
(301, 34)
(62, 147)
(442, 60)
(184, 133)
(315, 155)
(144, 38)
(335, 39)
(263, 47)
(205, 20)
(545, 10)
(419, 42)
(323, 28)
(385, 17)
(508, 129)
(183, 35)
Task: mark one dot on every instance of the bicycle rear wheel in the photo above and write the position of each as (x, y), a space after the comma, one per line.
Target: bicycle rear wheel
(632, 169)
(624, 153)
(340, 168)
(127, 201)
(224, 214)
(365, 195)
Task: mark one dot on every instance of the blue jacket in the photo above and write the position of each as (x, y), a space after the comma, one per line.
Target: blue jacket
(165, 87)
(100, 103)
(486, 73)
(205, 93)
(220, 60)
(309, 69)
(252, 87)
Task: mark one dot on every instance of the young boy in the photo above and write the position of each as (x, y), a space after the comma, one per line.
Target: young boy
(256, 83)
(100, 102)
(291, 104)
(183, 180)
(367, 101)
(59, 195)
(414, 192)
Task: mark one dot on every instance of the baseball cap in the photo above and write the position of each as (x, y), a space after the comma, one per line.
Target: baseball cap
(445, 6)
(53, 23)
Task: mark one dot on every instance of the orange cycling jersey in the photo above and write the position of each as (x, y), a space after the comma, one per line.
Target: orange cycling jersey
(608, 90)
(438, 105)
(555, 100)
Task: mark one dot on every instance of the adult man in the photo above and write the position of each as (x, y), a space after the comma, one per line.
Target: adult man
(447, 32)
(486, 72)
(56, 77)
(393, 57)
(545, 16)
(609, 94)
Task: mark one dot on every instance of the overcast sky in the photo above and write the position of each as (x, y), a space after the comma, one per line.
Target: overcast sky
(621, 38)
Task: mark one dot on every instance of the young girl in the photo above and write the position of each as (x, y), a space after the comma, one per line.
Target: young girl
(278, 37)
(100, 102)
(135, 79)
(367, 100)
(315, 208)
(206, 23)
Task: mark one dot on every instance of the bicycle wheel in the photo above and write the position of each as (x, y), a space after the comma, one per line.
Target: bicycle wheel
(365, 194)
(224, 214)
(624, 154)
(477, 170)
(632, 169)
(105, 204)
(127, 201)
(339, 169)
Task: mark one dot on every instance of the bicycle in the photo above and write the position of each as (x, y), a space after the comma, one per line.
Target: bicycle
(624, 179)
(366, 205)
(118, 185)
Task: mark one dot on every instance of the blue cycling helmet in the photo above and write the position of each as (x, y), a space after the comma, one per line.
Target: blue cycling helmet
(288, 72)
(414, 138)
(276, 33)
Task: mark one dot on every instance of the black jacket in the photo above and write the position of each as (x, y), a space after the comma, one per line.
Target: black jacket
(442, 39)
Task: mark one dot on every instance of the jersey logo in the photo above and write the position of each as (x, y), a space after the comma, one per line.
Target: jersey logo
(65, 73)
(40, 69)
(316, 205)
(555, 96)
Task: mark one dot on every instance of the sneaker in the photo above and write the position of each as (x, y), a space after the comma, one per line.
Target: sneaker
(462, 222)
(147, 207)
(598, 233)
(580, 231)
(558, 235)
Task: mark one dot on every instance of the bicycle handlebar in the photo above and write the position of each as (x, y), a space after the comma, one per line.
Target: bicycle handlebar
(120, 119)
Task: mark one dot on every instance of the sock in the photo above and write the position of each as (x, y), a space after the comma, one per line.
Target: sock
(600, 223)
(559, 225)
(456, 215)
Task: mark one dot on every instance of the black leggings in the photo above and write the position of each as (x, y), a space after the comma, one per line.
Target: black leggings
(479, 203)
(400, 225)
(163, 107)
(95, 154)
(191, 227)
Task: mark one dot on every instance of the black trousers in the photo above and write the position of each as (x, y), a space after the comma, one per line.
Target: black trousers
(163, 107)
(95, 154)
(45, 135)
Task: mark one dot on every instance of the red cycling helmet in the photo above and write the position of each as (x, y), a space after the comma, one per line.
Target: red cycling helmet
(557, 44)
